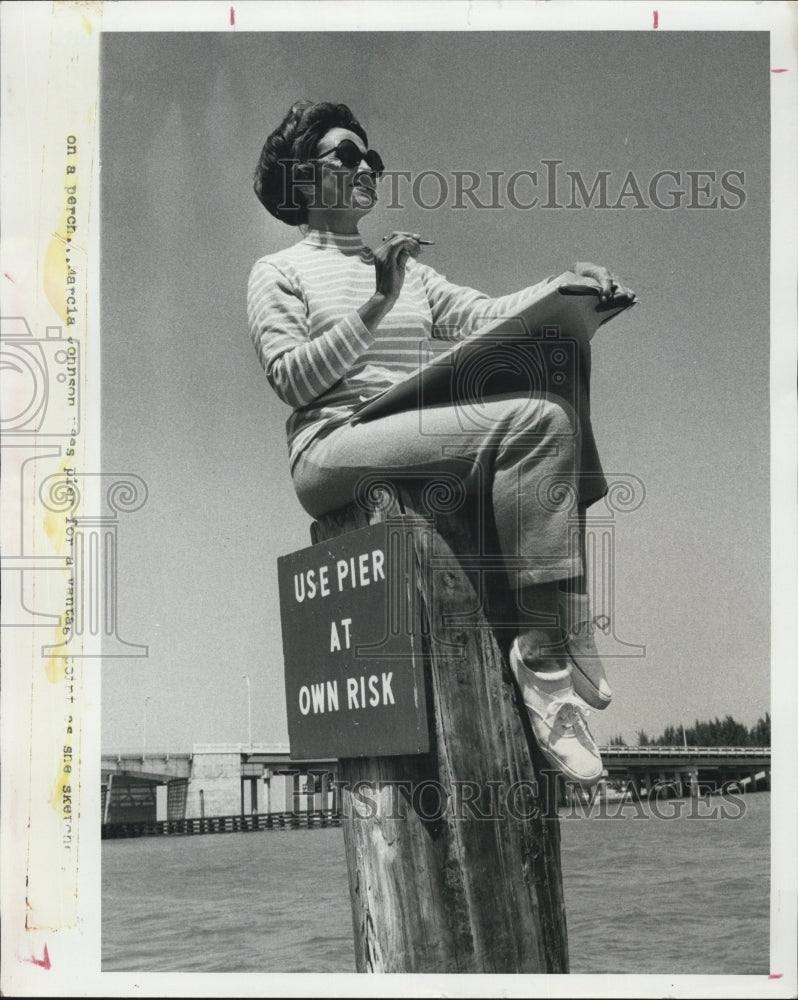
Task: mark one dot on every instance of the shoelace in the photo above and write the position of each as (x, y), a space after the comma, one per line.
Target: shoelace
(573, 710)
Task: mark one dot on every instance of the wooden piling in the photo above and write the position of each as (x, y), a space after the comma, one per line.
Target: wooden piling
(453, 855)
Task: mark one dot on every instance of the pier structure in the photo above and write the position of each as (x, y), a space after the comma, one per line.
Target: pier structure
(213, 781)
(225, 782)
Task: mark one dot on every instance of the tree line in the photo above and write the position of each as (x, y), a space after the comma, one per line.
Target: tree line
(726, 732)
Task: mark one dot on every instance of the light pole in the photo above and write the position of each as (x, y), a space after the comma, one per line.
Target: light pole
(249, 708)
(144, 736)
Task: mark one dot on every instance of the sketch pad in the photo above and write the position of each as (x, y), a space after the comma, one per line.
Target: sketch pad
(543, 348)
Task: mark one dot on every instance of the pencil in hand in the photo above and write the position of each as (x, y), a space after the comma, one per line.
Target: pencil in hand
(421, 243)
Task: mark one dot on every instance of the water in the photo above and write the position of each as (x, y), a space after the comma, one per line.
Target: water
(686, 896)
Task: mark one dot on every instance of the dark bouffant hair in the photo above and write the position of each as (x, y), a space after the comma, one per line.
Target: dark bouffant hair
(295, 141)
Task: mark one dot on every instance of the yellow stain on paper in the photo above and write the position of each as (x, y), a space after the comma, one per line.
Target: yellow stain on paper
(55, 668)
(89, 10)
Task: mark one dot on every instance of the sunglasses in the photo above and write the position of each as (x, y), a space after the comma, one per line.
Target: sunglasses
(350, 155)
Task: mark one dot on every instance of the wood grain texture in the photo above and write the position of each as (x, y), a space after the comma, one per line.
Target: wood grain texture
(453, 863)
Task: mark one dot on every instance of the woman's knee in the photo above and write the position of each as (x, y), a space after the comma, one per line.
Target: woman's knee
(322, 489)
(546, 416)
(560, 418)
(312, 491)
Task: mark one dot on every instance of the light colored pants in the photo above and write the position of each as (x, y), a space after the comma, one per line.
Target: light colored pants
(524, 453)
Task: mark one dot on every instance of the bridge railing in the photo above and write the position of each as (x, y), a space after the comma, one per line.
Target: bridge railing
(689, 751)
(238, 823)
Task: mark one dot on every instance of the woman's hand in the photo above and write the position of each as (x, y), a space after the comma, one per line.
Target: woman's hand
(611, 288)
(389, 261)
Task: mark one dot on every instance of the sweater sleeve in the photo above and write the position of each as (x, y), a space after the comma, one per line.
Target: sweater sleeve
(299, 368)
(458, 311)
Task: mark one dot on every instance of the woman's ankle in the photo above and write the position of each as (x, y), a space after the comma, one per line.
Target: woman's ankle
(540, 649)
(574, 608)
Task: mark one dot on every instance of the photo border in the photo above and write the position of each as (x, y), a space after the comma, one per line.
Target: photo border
(50, 67)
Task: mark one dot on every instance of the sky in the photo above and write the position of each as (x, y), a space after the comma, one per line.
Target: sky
(680, 395)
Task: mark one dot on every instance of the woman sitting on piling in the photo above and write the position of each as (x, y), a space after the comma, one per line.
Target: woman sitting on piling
(334, 323)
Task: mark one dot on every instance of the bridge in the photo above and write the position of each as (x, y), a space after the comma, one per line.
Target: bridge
(683, 769)
(212, 780)
(235, 781)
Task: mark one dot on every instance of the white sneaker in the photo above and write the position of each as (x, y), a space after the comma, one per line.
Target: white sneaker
(558, 721)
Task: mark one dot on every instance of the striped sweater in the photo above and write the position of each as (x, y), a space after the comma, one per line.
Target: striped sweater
(317, 353)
